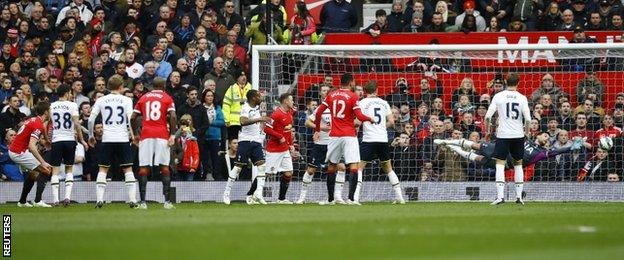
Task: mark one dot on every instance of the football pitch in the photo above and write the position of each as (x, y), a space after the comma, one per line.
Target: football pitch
(372, 231)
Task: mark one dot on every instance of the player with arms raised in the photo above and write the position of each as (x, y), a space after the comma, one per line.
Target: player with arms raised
(513, 114)
(116, 110)
(250, 147)
(155, 137)
(375, 139)
(24, 152)
(343, 105)
(65, 129)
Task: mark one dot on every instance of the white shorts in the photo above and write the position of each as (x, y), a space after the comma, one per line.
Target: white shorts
(25, 160)
(344, 146)
(278, 162)
(154, 152)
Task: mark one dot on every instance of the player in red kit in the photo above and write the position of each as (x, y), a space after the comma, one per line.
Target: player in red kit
(279, 146)
(343, 105)
(24, 152)
(156, 137)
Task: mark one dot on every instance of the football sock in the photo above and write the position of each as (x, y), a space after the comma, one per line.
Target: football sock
(28, 184)
(166, 181)
(519, 179)
(500, 181)
(358, 189)
(307, 180)
(143, 187)
(231, 178)
(69, 183)
(41, 183)
(254, 186)
(54, 182)
(353, 176)
(100, 186)
(131, 186)
(259, 193)
(331, 182)
(396, 185)
(340, 180)
(464, 154)
(284, 183)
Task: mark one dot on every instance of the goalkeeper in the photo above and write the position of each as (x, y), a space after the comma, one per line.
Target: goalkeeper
(482, 152)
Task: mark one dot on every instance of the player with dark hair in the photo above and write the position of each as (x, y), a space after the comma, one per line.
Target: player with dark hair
(155, 138)
(24, 152)
(250, 147)
(65, 128)
(344, 108)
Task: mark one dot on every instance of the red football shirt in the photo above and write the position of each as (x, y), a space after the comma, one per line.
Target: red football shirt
(342, 104)
(154, 106)
(281, 125)
(33, 127)
(612, 132)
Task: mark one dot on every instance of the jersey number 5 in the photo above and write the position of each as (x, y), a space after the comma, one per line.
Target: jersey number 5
(513, 107)
(377, 115)
(339, 108)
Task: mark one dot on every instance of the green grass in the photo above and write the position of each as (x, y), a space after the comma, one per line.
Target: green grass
(373, 231)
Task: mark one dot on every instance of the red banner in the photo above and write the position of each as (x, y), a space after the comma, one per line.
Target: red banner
(504, 59)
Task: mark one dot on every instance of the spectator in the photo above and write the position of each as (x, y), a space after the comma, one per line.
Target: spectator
(547, 86)
(209, 151)
(396, 20)
(275, 10)
(231, 64)
(234, 97)
(466, 87)
(463, 106)
(338, 16)
(527, 11)
(428, 150)
(416, 25)
(494, 9)
(259, 35)
(206, 51)
(186, 75)
(437, 108)
(189, 161)
(580, 12)
(452, 165)
(495, 26)
(552, 129)
(10, 171)
(583, 131)
(379, 26)
(134, 69)
(616, 23)
(84, 12)
(437, 24)
(595, 22)
(592, 114)
(222, 79)
(427, 93)
(567, 21)
(469, 8)
(193, 107)
(11, 117)
(564, 160)
(404, 157)
(448, 16)
(590, 85)
(608, 128)
(468, 125)
(538, 114)
(6, 91)
(551, 19)
(163, 68)
(183, 32)
(604, 8)
(239, 51)
(597, 168)
(230, 17)
(516, 25)
(469, 24)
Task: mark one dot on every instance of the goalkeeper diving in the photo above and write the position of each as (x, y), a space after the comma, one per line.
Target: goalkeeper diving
(481, 153)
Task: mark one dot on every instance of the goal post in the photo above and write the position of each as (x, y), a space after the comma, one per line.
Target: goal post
(551, 75)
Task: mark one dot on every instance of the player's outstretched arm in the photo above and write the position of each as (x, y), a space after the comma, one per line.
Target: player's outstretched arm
(361, 116)
(318, 115)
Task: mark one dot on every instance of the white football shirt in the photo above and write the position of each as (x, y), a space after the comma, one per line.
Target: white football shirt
(377, 109)
(325, 120)
(63, 128)
(513, 109)
(116, 110)
(251, 132)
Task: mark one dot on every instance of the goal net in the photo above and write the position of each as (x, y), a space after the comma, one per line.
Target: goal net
(575, 91)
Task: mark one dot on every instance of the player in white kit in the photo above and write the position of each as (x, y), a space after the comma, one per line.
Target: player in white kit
(514, 118)
(375, 139)
(116, 110)
(65, 130)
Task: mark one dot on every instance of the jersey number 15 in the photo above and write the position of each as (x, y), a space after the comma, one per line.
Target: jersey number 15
(512, 109)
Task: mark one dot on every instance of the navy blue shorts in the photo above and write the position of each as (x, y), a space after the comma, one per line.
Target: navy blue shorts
(487, 149)
(248, 150)
(372, 151)
(122, 152)
(506, 147)
(317, 156)
(63, 152)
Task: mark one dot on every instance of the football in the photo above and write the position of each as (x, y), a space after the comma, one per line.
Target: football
(605, 143)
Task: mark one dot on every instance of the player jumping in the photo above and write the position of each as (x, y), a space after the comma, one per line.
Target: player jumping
(65, 129)
(513, 109)
(116, 110)
(155, 138)
(343, 105)
(24, 152)
(375, 139)
(249, 147)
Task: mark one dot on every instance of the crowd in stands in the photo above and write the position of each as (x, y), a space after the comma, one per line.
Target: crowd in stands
(201, 47)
